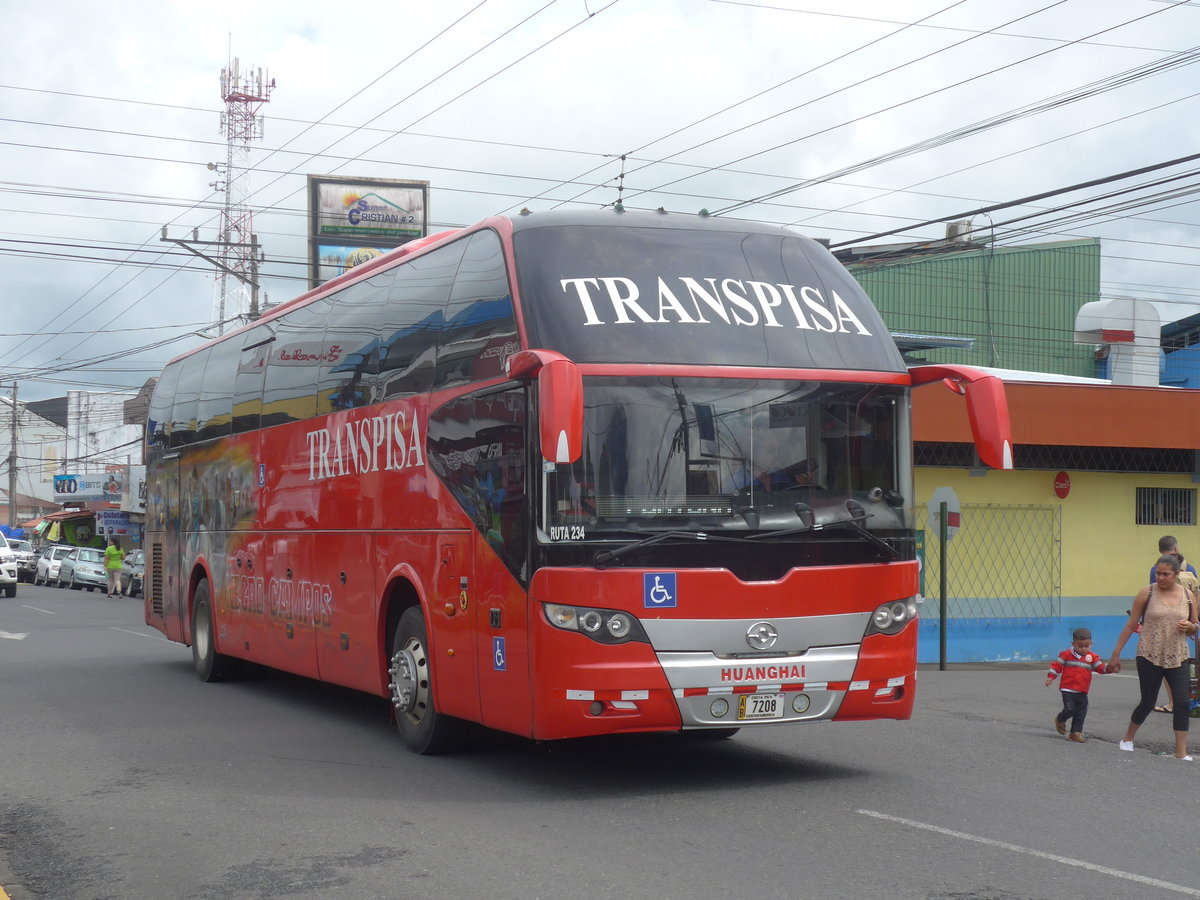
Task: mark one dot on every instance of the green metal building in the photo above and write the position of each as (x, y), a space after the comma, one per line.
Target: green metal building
(1017, 303)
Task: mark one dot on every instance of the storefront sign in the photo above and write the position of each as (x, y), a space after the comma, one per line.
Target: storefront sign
(1062, 485)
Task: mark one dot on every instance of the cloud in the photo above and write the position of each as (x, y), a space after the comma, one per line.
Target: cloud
(113, 111)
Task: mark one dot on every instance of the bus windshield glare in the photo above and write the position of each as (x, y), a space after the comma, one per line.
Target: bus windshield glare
(738, 455)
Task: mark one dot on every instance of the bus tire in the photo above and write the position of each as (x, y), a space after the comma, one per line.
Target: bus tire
(209, 664)
(410, 677)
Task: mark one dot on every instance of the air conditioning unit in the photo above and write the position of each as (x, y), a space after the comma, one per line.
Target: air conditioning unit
(958, 231)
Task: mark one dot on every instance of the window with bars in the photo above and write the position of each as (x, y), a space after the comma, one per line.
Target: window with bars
(1166, 506)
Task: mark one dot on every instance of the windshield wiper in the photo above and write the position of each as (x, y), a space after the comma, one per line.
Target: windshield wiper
(858, 514)
(854, 524)
(604, 556)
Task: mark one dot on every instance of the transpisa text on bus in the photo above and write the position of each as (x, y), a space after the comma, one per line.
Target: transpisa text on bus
(558, 474)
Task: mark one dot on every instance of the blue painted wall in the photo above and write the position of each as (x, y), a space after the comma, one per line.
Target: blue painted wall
(1015, 640)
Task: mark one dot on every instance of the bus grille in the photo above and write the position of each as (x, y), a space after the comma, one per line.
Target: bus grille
(155, 582)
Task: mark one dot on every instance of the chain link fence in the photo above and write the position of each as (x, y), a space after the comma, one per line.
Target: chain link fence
(1005, 562)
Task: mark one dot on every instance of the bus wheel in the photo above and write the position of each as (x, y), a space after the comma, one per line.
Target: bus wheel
(210, 665)
(423, 728)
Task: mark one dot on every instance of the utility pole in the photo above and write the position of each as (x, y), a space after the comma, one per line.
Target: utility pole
(12, 462)
(236, 252)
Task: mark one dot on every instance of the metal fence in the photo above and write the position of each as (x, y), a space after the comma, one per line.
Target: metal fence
(1005, 562)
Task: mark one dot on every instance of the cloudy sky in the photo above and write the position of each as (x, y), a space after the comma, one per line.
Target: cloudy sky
(841, 119)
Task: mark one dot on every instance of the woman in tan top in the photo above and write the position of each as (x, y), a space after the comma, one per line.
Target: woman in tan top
(1168, 617)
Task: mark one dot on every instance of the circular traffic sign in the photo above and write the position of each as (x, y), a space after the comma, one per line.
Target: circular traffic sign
(953, 513)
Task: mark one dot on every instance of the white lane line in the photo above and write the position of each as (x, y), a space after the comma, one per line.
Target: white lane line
(14, 635)
(1040, 854)
(138, 633)
(48, 612)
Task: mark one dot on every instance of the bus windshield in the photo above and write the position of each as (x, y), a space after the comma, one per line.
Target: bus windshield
(706, 454)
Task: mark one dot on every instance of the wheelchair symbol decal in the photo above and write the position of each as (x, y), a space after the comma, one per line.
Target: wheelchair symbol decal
(658, 590)
(499, 659)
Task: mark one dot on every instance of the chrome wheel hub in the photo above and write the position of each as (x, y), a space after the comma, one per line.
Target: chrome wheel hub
(409, 673)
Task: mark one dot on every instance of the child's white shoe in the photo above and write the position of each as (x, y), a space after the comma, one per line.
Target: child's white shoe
(1125, 745)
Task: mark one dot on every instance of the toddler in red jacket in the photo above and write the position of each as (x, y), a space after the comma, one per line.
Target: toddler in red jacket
(1076, 665)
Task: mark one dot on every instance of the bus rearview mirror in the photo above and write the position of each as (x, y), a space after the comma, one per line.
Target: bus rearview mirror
(987, 408)
(560, 411)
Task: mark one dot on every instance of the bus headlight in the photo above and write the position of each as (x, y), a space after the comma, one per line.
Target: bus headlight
(890, 618)
(619, 625)
(605, 626)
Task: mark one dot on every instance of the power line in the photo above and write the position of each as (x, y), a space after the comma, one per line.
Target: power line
(933, 27)
(926, 96)
(984, 210)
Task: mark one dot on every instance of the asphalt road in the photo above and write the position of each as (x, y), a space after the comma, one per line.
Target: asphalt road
(123, 777)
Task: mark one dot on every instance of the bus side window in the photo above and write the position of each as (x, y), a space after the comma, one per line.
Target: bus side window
(290, 387)
(350, 369)
(187, 399)
(158, 417)
(214, 415)
(248, 383)
(409, 334)
(480, 331)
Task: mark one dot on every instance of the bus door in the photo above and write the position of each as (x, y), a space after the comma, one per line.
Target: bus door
(452, 626)
(165, 578)
(477, 444)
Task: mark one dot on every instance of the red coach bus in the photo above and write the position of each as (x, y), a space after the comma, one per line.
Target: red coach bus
(559, 474)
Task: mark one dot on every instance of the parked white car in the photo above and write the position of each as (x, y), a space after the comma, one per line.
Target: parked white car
(8, 571)
(48, 562)
(26, 558)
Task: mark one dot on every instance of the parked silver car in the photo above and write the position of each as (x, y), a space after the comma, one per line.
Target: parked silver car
(46, 571)
(132, 569)
(83, 567)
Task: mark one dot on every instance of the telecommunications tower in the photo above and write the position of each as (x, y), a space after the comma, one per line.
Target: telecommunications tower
(244, 94)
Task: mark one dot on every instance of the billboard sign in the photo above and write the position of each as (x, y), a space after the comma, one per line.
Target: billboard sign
(88, 488)
(134, 498)
(352, 220)
(114, 523)
(337, 259)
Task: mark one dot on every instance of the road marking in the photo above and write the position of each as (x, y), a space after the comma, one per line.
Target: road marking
(1040, 854)
(3, 894)
(138, 633)
(17, 636)
(39, 609)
